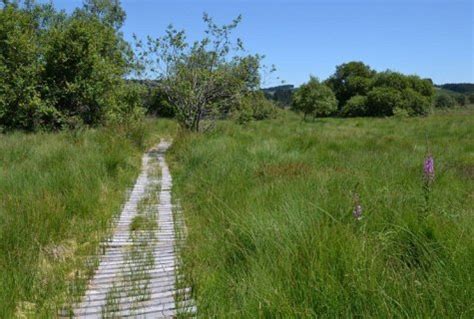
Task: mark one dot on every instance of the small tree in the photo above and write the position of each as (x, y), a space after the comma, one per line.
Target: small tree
(202, 79)
(350, 79)
(314, 98)
(83, 69)
(60, 70)
(444, 101)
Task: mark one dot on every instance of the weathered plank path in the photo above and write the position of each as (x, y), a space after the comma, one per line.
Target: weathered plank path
(137, 276)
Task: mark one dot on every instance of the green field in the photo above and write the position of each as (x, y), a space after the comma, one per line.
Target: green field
(268, 207)
(271, 232)
(58, 193)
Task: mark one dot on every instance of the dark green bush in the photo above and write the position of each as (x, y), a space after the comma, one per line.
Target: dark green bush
(471, 98)
(20, 100)
(254, 106)
(422, 86)
(83, 69)
(262, 108)
(414, 103)
(314, 98)
(415, 94)
(157, 104)
(461, 99)
(444, 100)
(392, 80)
(384, 91)
(382, 101)
(350, 79)
(356, 106)
(59, 70)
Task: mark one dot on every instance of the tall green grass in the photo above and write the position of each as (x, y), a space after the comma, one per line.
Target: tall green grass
(58, 193)
(271, 231)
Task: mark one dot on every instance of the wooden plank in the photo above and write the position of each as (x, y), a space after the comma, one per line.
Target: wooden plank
(121, 277)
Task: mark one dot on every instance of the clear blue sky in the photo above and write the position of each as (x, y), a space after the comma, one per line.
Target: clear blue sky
(431, 38)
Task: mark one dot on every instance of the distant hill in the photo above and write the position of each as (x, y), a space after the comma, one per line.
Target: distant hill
(273, 89)
(281, 94)
(464, 88)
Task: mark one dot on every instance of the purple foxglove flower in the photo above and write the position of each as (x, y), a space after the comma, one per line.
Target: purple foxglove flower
(428, 168)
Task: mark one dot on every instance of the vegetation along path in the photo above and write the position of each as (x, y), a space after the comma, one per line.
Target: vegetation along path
(137, 275)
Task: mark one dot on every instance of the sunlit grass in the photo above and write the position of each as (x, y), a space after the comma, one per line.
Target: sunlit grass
(58, 194)
(271, 231)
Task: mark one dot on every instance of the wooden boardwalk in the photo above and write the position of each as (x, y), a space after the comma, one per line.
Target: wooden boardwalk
(137, 276)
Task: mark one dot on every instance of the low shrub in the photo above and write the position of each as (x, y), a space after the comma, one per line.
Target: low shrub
(444, 101)
(382, 101)
(414, 103)
(461, 99)
(356, 106)
(471, 98)
(315, 98)
(157, 104)
(254, 106)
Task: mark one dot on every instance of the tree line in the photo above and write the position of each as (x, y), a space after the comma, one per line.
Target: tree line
(60, 70)
(355, 89)
(63, 70)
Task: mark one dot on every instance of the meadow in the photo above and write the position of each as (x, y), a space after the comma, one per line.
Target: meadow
(58, 195)
(269, 209)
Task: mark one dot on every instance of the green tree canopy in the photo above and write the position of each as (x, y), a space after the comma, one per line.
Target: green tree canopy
(350, 79)
(444, 100)
(203, 79)
(57, 68)
(110, 12)
(362, 91)
(314, 98)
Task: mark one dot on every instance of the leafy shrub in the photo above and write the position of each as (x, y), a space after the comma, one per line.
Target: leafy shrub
(444, 100)
(20, 101)
(158, 104)
(415, 93)
(382, 101)
(83, 69)
(414, 103)
(128, 105)
(351, 79)
(392, 80)
(471, 98)
(254, 106)
(59, 70)
(314, 98)
(461, 99)
(356, 106)
(384, 92)
(244, 113)
(422, 86)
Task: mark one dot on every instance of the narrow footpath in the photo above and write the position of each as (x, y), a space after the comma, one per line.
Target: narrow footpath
(138, 272)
